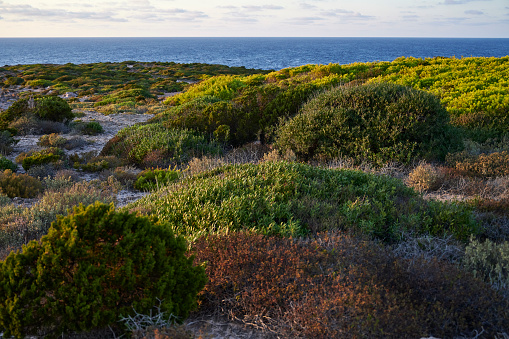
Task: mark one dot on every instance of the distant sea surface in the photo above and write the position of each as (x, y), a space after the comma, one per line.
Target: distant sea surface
(262, 53)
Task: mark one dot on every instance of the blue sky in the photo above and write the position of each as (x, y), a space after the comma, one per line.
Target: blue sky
(265, 18)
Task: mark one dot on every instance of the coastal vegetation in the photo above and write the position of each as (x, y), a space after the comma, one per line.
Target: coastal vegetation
(360, 200)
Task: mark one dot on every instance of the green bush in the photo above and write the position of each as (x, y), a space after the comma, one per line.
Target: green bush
(488, 261)
(296, 199)
(19, 185)
(45, 291)
(7, 164)
(87, 128)
(53, 108)
(14, 81)
(152, 179)
(375, 122)
(6, 141)
(41, 157)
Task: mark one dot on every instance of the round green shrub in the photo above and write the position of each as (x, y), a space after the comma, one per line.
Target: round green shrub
(7, 164)
(93, 266)
(53, 108)
(375, 122)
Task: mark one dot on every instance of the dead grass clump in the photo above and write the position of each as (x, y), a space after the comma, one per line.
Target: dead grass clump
(198, 165)
(342, 287)
(249, 153)
(425, 177)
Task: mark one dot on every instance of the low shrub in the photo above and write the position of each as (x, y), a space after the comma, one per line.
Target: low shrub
(41, 157)
(337, 286)
(425, 177)
(97, 163)
(483, 165)
(51, 140)
(87, 128)
(375, 122)
(152, 179)
(6, 141)
(126, 175)
(19, 185)
(488, 261)
(7, 164)
(52, 108)
(51, 295)
(296, 199)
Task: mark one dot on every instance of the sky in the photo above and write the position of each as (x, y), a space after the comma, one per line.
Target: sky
(255, 18)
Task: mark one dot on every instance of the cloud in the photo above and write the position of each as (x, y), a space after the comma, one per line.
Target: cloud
(346, 15)
(29, 13)
(474, 12)
(304, 5)
(458, 2)
(173, 14)
(261, 8)
(306, 20)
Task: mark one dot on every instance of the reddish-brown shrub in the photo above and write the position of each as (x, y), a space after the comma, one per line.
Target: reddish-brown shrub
(339, 286)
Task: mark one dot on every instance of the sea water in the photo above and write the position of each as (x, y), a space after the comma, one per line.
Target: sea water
(261, 53)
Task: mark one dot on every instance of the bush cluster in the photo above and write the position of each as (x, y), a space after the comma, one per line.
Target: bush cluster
(484, 165)
(19, 185)
(342, 287)
(296, 199)
(153, 145)
(37, 158)
(25, 115)
(375, 122)
(46, 293)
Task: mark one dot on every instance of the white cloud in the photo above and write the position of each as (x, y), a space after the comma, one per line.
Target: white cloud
(346, 15)
(474, 12)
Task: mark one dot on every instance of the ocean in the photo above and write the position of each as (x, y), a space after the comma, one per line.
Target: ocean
(261, 53)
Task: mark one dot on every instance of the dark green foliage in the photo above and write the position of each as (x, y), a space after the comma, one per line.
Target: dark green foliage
(14, 81)
(44, 156)
(296, 199)
(53, 108)
(93, 266)
(151, 179)
(19, 185)
(6, 141)
(87, 128)
(376, 122)
(92, 128)
(7, 164)
(46, 108)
